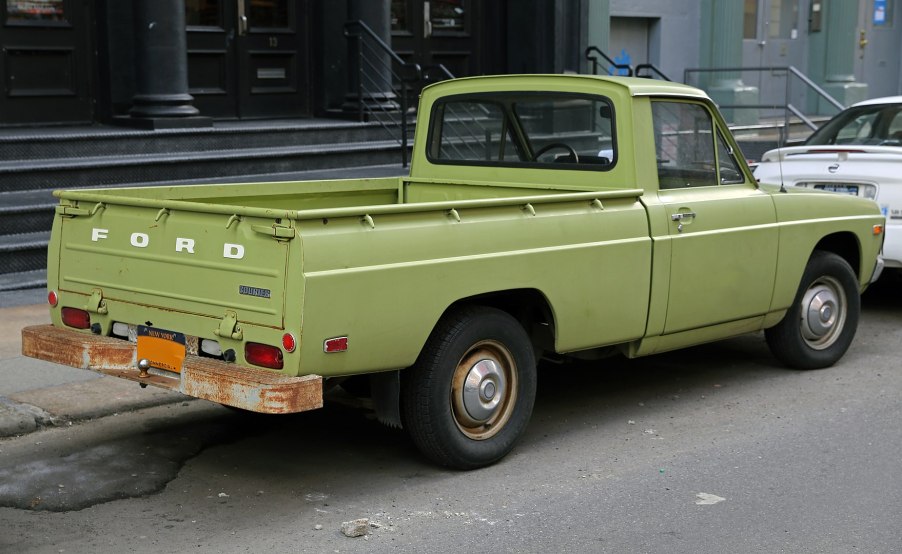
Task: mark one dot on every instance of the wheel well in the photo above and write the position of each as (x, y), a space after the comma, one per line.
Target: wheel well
(528, 306)
(844, 245)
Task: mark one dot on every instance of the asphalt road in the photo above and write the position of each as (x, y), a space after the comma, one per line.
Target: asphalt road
(710, 449)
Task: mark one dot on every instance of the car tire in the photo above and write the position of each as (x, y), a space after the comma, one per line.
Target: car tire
(819, 327)
(469, 397)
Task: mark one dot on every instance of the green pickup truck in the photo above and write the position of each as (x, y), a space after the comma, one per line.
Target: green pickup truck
(556, 215)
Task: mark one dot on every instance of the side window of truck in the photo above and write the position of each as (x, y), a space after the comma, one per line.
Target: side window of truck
(560, 131)
(684, 144)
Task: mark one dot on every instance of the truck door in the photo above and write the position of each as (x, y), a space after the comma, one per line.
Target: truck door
(722, 228)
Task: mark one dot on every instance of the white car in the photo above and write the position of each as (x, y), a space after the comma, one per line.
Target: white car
(858, 152)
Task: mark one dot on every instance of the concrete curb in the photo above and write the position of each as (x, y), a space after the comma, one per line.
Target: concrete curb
(28, 411)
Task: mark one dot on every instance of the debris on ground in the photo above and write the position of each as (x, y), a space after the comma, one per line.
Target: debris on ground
(355, 528)
(705, 499)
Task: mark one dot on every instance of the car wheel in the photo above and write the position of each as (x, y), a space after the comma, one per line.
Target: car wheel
(819, 327)
(470, 394)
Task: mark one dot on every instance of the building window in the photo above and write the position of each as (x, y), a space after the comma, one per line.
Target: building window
(883, 13)
(448, 15)
(203, 13)
(750, 20)
(783, 21)
(400, 16)
(35, 10)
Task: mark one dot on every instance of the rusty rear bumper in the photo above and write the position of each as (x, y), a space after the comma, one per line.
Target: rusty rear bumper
(257, 390)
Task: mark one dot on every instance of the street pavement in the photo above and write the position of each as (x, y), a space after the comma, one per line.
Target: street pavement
(715, 448)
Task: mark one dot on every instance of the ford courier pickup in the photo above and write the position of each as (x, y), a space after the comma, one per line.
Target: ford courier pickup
(543, 215)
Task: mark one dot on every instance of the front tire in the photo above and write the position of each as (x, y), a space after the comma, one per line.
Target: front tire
(470, 394)
(819, 327)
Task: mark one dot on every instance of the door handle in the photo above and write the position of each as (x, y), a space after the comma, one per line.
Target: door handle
(682, 215)
(679, 217)
(242, 18)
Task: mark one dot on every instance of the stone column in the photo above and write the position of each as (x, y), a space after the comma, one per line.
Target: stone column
(377, 84)
(161, 98)
(840, 50)
(722, 47)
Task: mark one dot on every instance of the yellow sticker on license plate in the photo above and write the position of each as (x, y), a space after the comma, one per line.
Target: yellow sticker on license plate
(163, 349)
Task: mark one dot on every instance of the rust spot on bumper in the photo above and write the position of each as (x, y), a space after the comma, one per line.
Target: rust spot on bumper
(257, 390)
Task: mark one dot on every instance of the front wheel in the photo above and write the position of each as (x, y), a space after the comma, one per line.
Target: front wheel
(819, 327)
(470, 394)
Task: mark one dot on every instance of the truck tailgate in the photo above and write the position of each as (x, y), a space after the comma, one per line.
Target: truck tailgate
(178, 260)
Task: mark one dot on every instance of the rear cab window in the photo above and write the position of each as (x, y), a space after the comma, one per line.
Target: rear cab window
(553, 130)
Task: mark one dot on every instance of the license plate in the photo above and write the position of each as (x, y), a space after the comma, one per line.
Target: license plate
(163, 349)
(842, 189)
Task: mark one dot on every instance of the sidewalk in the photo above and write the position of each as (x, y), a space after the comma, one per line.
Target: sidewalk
(35, 394)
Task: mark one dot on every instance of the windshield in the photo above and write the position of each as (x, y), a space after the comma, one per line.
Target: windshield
(877, 124)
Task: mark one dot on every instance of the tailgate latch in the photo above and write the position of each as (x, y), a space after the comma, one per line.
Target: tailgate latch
(96, 303)
(228, 327)
(275, 230)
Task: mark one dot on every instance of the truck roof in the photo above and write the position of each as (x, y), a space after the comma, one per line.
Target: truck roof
(635, 86)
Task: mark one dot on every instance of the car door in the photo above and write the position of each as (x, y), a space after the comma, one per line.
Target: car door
(722, 228)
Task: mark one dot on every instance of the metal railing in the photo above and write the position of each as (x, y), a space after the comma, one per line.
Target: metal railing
(646, 70)
(595, 63)
(384, 83)
(786, 106)
(651, 72)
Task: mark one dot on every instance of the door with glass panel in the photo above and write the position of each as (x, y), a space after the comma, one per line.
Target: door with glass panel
(248, 58)
(434, 32)
(774, 35)
(45, 62)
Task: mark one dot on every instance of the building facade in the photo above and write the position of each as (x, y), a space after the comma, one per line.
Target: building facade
(188, 62)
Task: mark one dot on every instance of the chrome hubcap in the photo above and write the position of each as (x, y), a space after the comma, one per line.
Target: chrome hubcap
(823, 313)
(483, 390)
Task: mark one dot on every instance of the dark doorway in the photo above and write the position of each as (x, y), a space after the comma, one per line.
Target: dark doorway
(45, 64)
(248, 58)
(447, 32)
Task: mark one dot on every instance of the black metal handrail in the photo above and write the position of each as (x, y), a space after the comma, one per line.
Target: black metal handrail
(787, 107)
(383, 80)
(652, 70)
(613, 64)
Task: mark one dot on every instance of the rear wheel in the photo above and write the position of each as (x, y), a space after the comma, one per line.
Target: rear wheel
(470, 394)
(820, 325)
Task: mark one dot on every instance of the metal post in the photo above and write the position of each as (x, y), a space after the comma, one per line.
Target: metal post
(360, 77)
(786, 109)
(403, 124)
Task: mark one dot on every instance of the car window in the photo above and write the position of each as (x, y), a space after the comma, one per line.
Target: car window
(872, 124)
(727, 164)
(894, 132)
(474, 130)
(571, 131)
(684, 144)
(856, 129)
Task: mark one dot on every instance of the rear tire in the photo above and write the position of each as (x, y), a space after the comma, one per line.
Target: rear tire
(470, 394)
(819, 327)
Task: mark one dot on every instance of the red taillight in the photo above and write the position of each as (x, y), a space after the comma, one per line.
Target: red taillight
(263, 355)
(338, 344)
(288, 342)
(52, 298)
(73, 317)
